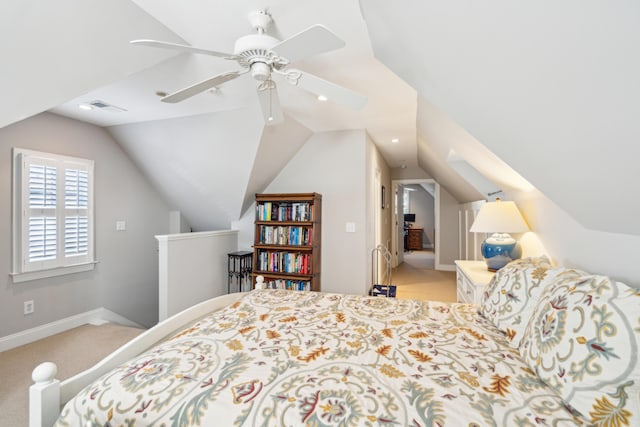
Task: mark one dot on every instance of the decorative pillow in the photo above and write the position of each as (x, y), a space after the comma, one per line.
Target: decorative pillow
(582, 341)
(512, 295)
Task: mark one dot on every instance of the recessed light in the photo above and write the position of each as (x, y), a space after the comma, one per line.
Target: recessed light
(322, 98)
(161, 93)
(395, 140)
(85, 107)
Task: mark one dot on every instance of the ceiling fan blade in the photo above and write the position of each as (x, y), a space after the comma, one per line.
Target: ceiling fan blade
(333, 92)
(195, 89)
(270, 103)
(312, 41)
(182, 48)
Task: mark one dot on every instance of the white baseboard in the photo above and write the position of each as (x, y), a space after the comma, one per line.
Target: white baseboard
(99, 316)
(108, 316)
(446, 267)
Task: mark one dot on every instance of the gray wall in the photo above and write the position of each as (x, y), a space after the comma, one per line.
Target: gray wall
(125, 280)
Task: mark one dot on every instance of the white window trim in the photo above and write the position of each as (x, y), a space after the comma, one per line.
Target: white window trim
(20, 271)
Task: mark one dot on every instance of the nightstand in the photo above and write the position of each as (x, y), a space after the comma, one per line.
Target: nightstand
(414, 239)
(472, 278)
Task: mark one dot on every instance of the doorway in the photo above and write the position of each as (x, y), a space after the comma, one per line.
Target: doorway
(425, 216)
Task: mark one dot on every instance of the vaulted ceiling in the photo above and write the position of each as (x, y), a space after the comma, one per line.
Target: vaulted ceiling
(549, 88)
(537, 95)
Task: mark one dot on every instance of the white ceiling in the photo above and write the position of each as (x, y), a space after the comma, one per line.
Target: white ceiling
(389, 112)
(72, 52)
(548, 88)
(532, 95)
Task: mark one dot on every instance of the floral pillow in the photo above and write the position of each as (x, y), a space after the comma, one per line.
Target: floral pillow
(512, 295)
(582, 341)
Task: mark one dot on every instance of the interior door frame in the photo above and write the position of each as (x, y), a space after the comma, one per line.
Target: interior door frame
(396, 223)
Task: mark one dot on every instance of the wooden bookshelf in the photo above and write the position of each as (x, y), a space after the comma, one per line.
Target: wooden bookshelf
(287, 240)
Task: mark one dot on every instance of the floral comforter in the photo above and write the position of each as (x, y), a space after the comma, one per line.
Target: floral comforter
(285, 358)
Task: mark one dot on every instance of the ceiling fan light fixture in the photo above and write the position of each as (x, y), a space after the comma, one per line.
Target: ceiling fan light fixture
(260, 71)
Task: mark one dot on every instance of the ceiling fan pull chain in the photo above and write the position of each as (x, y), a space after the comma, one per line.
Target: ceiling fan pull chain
(270, 118)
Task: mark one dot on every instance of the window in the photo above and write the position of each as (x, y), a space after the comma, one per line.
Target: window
(52, 215)
(406, 196)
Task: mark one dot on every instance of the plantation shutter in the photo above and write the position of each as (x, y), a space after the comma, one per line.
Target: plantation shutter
(57, 205)
(40, 235)
(76, 219)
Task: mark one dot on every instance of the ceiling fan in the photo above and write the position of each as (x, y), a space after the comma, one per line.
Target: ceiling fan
(264, 57)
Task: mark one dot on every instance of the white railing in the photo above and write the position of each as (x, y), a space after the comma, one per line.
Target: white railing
(192, 268)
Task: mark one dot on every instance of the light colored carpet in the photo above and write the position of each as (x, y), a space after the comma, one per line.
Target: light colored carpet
(415, 278)
(422, 260)
(73, 351)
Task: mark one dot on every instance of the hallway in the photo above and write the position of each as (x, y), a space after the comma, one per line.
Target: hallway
(416, 278)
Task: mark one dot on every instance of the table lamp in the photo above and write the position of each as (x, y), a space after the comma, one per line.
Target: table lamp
(499, 218)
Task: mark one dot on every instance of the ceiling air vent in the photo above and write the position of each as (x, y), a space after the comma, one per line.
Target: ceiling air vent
(104, 106)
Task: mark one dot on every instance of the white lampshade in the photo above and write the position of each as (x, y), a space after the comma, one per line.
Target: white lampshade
(499, 217)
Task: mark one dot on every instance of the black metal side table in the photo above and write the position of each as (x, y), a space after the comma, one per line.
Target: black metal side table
(240, 265)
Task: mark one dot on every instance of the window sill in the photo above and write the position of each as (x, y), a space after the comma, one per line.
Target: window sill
(52, 272)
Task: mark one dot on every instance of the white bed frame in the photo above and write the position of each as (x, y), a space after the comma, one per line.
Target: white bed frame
(48, 395)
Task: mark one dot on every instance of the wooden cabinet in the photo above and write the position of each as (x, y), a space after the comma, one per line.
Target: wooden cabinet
(472, 278)
(414, 239)
(287, 240)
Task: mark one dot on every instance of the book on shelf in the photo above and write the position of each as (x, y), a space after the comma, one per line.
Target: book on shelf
(292, 285)
(284, 262)
(285, 235)
(285, 211)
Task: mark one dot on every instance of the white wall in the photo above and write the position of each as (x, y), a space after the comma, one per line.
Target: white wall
(375, 164)
(449, 242)
(568, 243)
(125, 280)
(332, 164)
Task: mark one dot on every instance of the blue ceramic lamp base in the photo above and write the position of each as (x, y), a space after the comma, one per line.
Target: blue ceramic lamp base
(499, 250)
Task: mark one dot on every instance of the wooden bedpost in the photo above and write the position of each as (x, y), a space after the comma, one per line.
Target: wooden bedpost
(44, 396)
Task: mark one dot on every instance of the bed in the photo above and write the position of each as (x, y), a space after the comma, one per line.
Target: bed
(277, 357)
